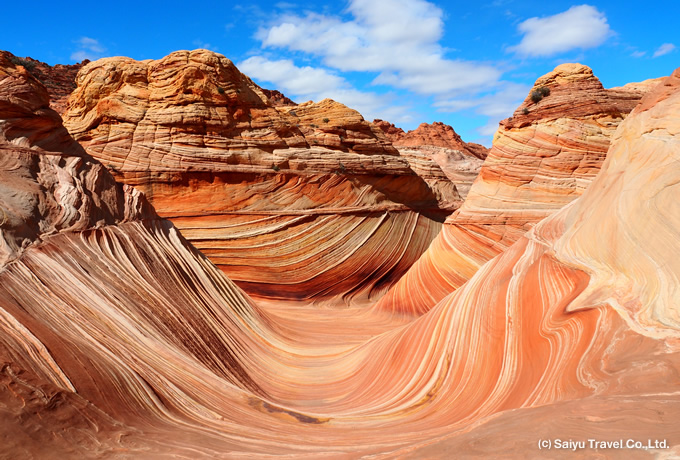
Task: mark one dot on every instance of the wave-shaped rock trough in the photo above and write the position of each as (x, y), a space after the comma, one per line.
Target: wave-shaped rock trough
(120, 340)
(314, 190)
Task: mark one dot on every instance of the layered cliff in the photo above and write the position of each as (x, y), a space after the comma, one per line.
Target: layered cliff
(291, 202)
(439, 152)
(542, 158)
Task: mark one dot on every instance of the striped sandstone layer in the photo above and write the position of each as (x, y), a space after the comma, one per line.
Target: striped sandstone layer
(294, 202)
(542, 158)
(121, 341)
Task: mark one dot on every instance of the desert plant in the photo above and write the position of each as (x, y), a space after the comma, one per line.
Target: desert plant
(341, 168)
(28, 65)
(539, 93)
(220, 90)
(326, 120)
(275, 167)
(525, 111)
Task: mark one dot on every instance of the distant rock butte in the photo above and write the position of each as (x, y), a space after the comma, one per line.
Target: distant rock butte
(437, 146)
(276, 196)
(436, 134)
(542, 158)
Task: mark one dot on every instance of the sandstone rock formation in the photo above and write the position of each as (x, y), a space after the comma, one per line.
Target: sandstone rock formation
(542, 158)
(46, 178)
(437, 152)
(291, 202)
(436, 134)
(88, 274)
(59, 80)
(119, 340)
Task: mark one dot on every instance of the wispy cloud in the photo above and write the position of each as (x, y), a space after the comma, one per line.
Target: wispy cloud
(313, 83)
(582, 26)
(399, 42)
(664, 49)
(88, 48)
(638, 54)
(396, 43)
(496, 106)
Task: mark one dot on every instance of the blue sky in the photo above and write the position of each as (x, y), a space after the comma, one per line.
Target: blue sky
(466, 63)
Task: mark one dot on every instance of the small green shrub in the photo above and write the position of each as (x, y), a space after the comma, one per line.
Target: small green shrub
(539, 93)
(326, 120)
(276, 168)
(220, 90)
(525, 111)
(28, 65)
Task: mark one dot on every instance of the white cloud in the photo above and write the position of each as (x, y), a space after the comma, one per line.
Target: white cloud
(497, 105)
(88, 48)
(489, 128)
(664, 49)
(638, 54)
(399, 39)
(580, 26)
(310, 83)
(300, 81)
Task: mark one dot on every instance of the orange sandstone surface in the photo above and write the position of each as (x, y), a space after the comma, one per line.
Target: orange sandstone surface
(292, 202)
(542, 158)
(118, 339)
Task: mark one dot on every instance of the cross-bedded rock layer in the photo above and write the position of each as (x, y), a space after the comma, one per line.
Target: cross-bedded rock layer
(292, 202)
(542, 158)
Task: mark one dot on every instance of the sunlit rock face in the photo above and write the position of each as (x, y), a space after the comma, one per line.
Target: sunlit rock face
(294, 202)
(542, 158)
(439, 150)
(119, 340)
